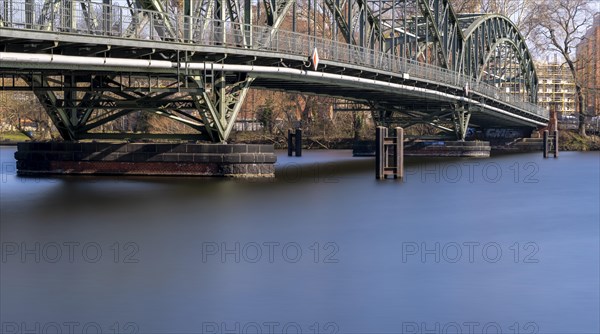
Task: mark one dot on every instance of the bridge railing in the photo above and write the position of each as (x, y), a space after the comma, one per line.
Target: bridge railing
(95, 19)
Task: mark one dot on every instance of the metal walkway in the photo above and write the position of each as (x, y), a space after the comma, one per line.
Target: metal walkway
(410, 61)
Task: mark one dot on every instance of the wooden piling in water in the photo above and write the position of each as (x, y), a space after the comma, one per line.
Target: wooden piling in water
(298, 144)
(399, 153)
(294, 142)
(550, 143)
(290, 142)
(389, 153)
(380, 134)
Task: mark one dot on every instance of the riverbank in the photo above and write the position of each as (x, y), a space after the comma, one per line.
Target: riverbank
(280, 141)
(11, 138)
(572, 141)
(569, 141)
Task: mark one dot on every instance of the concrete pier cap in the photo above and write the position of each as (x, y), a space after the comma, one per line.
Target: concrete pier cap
(156, 159)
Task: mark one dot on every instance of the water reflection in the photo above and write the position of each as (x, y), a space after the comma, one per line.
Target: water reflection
(322, 248)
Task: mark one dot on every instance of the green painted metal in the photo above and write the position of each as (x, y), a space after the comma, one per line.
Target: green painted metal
(49, 101)
(425, 31)
(484, 35)
(461, 117)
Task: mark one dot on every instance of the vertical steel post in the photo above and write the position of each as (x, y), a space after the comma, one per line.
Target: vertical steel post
(290, 143)
(28, 13)
(399, 153)
(294, 17)
(335, 28)
(294, 142)
(416, 39)
(380, 154)
(426, 51)
(307, 19)
(66, 14)
(349, 9)
(248, 22)
(334, 33)
(381, 48)
(404, 40)
(298, 143)
(393, 27)
(70, 96)
(361, 25)
(73, 15)
(120, 20)
(556, 143)
(188, 22)
(7, 14)
(220, 88)
(315, 21)
(546, 143)
(323, 19)
(220, 15)
(107, 17)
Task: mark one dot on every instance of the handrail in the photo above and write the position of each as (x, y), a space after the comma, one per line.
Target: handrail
(139, 24)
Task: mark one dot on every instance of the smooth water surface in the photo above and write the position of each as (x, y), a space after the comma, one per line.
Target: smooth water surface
(508, 244)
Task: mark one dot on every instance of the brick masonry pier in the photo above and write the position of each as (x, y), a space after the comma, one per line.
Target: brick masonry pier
(183, 159)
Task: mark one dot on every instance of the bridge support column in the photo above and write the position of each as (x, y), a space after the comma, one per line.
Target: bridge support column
(389, 153)
(550, 143)
(220, 105)
(202, 100)
(461, 117)
(295, 142)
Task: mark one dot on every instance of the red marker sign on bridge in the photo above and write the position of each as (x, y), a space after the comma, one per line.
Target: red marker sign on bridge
(315, 59)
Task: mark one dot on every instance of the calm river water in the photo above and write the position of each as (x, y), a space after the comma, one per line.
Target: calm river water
(502, 245)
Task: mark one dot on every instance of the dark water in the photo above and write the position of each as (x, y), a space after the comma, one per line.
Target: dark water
(503, 245)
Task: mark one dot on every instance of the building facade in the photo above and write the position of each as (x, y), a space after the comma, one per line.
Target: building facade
(556, 87)
(588, 67)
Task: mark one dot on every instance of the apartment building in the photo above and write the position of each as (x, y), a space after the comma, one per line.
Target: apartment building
(556, 87)
(588, 67)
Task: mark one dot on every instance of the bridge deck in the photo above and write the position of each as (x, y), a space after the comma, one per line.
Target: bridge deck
(276, 59)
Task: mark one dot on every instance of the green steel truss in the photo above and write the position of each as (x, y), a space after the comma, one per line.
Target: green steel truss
(488, 48)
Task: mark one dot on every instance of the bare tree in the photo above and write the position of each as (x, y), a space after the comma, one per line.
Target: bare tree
(21, 111)
(9, 111)
(522, 13)
(466, 6)
(560, 25)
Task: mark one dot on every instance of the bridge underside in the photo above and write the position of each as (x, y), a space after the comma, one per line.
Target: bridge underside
(87, 81)
(402, 107)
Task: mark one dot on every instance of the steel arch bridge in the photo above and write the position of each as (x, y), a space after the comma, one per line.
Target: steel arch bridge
(193, 61)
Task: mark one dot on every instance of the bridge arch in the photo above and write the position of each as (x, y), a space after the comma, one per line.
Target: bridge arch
(416, 55)
(495, 52)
